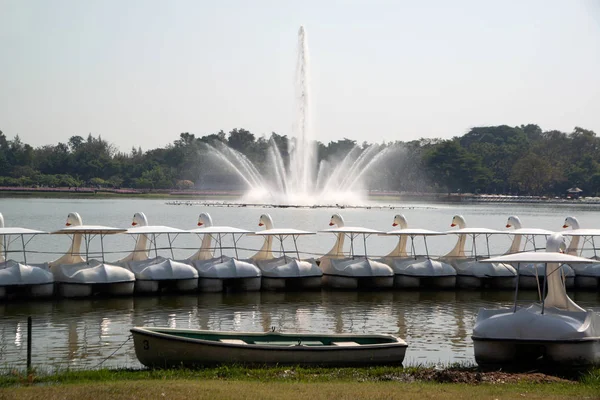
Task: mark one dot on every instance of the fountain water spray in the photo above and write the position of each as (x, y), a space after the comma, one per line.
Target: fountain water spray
(302, 182)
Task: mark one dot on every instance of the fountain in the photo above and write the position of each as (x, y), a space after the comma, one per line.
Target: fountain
(302, 181)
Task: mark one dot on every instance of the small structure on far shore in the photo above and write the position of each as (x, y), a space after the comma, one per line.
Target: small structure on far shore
(574, 192)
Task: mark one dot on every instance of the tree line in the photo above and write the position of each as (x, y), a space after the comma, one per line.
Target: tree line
(501, 159)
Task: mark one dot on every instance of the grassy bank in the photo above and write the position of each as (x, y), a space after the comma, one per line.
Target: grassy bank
(294, 382)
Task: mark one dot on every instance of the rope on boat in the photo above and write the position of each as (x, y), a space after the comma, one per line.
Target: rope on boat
(114, 352)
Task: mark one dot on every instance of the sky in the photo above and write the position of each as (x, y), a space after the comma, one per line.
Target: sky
(140, 72)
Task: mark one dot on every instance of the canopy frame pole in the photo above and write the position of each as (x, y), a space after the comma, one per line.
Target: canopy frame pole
(24, 252)
(171, 245)
(544, 288)
(281, 248)
(295, 239)
(102, 246)
(412, 246)
(517, 288)
(537, 280)
(220, 241)
(426, 249)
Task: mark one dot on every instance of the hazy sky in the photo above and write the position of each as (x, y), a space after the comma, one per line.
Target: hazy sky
(141, 72)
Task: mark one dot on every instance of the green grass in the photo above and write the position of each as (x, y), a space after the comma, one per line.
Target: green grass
(227, 382)
(453, 373)
(233, 389)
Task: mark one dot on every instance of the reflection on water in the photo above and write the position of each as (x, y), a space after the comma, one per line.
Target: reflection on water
(82, 333)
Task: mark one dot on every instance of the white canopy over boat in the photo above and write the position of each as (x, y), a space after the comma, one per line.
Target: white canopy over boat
(581, 232)
(537, 257)
(154, 230)
(216, 230)
(20, 231)
(88, 230)
(415, 232)
(352, 229)
(530, 231)
(283, 232)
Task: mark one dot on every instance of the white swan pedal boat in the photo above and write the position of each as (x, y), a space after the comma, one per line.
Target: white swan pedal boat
(557, 331)
(76, 275)
(158, 273)
(20, 279)
(343, 272)
(471, 273)
(412, 270)
(222, 272)
(286, 271)
(168, 347)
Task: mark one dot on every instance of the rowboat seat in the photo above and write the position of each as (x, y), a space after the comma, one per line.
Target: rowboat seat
(345, 344)
(232, 341)
(290, 343)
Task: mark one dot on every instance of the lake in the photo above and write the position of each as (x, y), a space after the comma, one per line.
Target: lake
(82, 333)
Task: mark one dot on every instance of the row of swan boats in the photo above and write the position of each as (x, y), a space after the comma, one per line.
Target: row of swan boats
(75, 274)
(555, 331)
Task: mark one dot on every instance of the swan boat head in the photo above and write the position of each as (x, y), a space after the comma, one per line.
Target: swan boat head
(458, 220)
(204, 219)
(514, 222)
(400, 220)
(571, 222)
(336, 219)
(139, 219)
(74, 219)
(266, 221)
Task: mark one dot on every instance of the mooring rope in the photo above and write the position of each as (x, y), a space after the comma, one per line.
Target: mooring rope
(114, 352)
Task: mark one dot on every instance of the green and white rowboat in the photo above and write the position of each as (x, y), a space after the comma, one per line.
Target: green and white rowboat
(168, 347)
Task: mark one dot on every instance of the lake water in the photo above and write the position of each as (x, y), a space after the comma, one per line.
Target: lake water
(83, 333)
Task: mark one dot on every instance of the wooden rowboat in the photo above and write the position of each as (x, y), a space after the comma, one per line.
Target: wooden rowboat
(168, 347)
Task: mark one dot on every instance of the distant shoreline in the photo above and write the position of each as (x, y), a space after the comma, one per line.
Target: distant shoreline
(190, 196)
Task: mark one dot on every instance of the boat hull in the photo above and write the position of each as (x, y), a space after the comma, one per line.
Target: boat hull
(495, 352)
(587, 282)
(416, 282)
(216, 285)
(171, 285)
(155, 349)
(86, 290)
(350, 282)
(297, 283)
(474, 282)
(27, 291)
